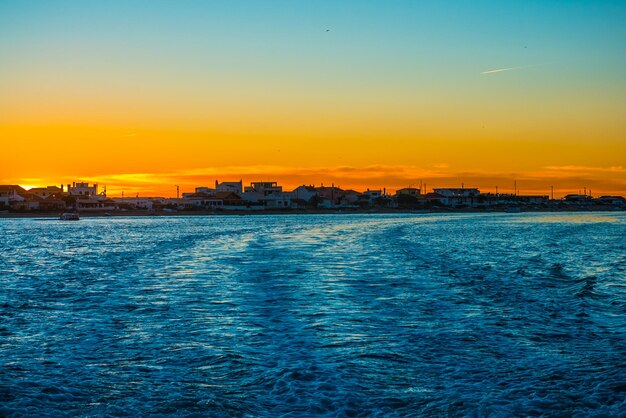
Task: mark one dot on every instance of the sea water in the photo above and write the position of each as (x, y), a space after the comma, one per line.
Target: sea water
(296, 315)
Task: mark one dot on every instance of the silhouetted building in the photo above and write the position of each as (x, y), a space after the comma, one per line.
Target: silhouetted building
(409, 191)
(618, 201)
(45, 192)
(372, 195)
(207, 190)
(11, 193)
(457, 192)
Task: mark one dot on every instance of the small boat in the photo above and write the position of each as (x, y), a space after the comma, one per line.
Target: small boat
(69, 216)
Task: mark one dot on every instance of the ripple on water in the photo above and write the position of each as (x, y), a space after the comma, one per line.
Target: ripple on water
(348, 315)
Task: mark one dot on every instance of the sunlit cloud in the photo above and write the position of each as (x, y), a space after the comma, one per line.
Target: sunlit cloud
(580, 168)
(564, 179)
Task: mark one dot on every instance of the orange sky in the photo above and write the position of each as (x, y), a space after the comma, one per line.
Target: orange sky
(143, 102)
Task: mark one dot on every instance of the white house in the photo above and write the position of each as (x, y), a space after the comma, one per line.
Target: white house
(134, 202)
(303, 193)
(229, 186)
(203, 200)
(82, 189)
(267, 193)
(264, 187)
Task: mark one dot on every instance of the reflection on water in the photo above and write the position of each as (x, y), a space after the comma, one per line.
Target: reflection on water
(570, 218)
(462, 314)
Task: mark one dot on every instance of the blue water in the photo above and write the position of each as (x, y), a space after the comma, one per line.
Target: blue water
(336, 315)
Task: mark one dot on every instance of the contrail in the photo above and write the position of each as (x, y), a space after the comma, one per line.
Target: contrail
(499, 70)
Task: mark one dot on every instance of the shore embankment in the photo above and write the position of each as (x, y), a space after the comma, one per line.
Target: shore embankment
(160, 213)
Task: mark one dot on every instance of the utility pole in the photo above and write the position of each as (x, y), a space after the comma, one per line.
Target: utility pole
(551, 192)
(177, 192)
(496, 190)
(514, 187)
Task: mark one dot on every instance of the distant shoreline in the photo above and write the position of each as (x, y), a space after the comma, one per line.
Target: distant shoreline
(143, 213)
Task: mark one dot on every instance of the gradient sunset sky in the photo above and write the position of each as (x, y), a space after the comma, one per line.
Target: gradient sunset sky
(144, 95)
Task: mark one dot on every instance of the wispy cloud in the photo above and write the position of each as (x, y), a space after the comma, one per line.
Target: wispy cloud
(580, 168)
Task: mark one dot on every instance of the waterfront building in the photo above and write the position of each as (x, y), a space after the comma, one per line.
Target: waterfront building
(45, 192)
(266, 188)
(207, 190)
(230, 199)
(457, 192)
(52, 203)
(25, 202)
(11, 193)
(82, 189)
(329, 195)
(533, 199)
(229, 186)
(436, 198)
(372, 195)
(266, 193)
(302, 195)
(133, 203)
(617, 201)
(577, 198)
(349, 198)
(278, 201)
(93, 204)
(37, 198)
(409, 191)
(201, 200)
(454, 196)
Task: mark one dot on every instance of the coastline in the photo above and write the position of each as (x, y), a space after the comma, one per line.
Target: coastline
(144, 213)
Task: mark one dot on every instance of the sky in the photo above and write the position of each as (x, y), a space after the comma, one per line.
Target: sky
(142, 96)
